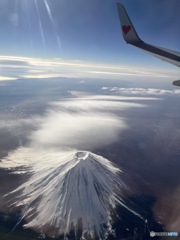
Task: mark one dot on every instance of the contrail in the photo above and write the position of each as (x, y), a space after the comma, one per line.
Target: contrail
(53, 23)
(40, 26)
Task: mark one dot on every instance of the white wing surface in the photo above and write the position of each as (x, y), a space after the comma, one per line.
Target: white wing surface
(130, 36)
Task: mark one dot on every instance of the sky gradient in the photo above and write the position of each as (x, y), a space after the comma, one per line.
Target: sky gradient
(87, 30)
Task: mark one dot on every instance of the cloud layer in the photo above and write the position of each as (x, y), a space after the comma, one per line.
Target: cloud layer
(141, 91)
(82, 122)
(13, 67)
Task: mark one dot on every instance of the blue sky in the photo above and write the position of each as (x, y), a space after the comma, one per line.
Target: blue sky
(87, 30)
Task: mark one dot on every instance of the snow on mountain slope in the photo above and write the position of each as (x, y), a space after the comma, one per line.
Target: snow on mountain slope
(67, 188)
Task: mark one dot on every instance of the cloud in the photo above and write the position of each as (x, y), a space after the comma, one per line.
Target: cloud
(99, 104)
(79, 130)
(14, 67)
(114, 98)
(79, 123)
(82, 123)
(141, 91)
(4, 78)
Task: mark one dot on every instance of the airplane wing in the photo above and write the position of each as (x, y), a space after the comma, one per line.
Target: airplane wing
(130, 36)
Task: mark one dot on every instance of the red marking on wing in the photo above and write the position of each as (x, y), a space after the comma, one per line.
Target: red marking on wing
(126, 29)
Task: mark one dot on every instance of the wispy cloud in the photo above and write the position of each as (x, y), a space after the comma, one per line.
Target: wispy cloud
(141, 91)
(81, 123)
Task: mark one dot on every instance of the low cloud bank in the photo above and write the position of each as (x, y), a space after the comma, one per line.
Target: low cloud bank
(141, 91)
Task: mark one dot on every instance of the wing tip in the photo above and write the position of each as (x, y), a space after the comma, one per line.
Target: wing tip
(129, 33)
